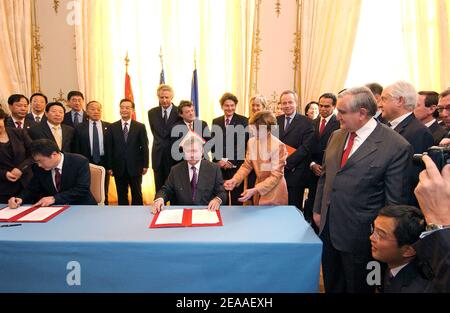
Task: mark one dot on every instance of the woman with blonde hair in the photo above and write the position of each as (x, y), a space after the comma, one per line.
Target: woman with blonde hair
(257, 103)
(266, 155)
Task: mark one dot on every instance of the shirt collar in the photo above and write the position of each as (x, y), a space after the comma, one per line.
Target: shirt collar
(367, 129)
(396, 270)
(15, 120)
(399, 119)
(60, 164)
(51, 125)
(197, 166)
(430, 123)
(123, 122)
(326, 119)
(291, 116)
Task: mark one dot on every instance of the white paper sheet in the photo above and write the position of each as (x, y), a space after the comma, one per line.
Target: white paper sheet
(170, 217)
(8, 213)
(40, 214)
(204, 217)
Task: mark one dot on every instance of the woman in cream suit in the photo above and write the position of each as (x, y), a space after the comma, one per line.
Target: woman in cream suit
(266, 155)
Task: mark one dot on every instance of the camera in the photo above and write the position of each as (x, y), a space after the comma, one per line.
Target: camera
(439, 155)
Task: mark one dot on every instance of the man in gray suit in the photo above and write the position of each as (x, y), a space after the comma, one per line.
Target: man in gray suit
(194, 181)
(365, 168)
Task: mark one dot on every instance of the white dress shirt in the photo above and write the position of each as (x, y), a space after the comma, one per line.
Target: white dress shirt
(361, 135)
(430, 123)
(98, 124)
(399, 119)
(60, 167)
(396, 270)
(169, 109)
(292, 118)
(191, 172)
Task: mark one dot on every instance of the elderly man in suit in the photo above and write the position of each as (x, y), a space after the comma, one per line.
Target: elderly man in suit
(324, 125)
(296, 131)
(58, 178)
(76, 115)
(365, 168)
(398, 102)
(194, 181)
(93, 140)
(19, 105)
(129, 154)
(53, 129)
(162, 119)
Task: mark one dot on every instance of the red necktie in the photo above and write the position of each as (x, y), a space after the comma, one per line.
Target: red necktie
(322, 126)
(351, 140)
(57, 179)
(227, 122)
(19, 124)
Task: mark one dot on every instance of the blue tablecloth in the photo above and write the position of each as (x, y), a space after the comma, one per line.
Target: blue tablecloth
(259, 249)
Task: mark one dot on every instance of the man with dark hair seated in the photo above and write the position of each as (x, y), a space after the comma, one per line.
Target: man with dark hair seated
(58, 178)
(395, 230)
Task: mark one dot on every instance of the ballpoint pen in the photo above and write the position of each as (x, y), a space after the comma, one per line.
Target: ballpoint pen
(10, 225)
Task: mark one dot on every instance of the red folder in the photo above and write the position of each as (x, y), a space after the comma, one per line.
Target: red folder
(290, 150)
(186, 222)
(16, 218)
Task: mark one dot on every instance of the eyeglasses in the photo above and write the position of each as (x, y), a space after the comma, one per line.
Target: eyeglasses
(377, 235)
(446, 108)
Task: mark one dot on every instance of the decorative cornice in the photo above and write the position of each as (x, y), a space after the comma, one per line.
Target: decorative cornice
(278, 7)
(56, 5)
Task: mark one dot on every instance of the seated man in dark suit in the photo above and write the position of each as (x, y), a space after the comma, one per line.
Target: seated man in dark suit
(53, 129)
(395, 230)
(193, 181)
(58, 178)
(433, 249)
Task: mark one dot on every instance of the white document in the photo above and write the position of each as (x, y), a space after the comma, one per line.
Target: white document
(170, 217)
(8, 213)
(40, 214)
(204, 216)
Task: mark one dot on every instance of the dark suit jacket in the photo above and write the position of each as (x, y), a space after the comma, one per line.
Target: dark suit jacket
(350, 197)
(239, 142)
(162, 135)
(82, 142)
(27, 123)
(75, 183)
(21, 159)
(31, 117)
(131, 155)
(177, 188)
(438, 132)
(200, 128)
(300, 136)
(434, 252)
(68, 119)
(320, 142)
(42, 131)
(410, 279)
(416, 133)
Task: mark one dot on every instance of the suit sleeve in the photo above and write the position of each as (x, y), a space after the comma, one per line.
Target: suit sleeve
(219, 190)
(304, 149)
(168, 189)
(276, 172)
(26, 140)
(397, 183)
(144, 143)
(30, 194)
(82, 184)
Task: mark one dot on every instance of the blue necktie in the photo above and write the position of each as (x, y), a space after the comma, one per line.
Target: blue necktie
(95, 144)
(194, 182)
(288, 122)
(125, 132)
(76, 120)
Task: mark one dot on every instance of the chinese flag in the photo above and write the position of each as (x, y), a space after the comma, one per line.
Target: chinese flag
(129, 92)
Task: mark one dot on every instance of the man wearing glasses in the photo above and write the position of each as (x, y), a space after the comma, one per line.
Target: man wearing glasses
(394, 232)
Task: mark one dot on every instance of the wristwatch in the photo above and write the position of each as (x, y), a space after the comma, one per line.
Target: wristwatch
(431, 227)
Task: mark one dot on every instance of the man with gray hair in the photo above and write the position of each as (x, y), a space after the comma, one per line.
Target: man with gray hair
(398, 102)
(365, 168)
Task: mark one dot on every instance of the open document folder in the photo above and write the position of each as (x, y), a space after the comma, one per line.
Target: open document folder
(186, 218)
(30, 214)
